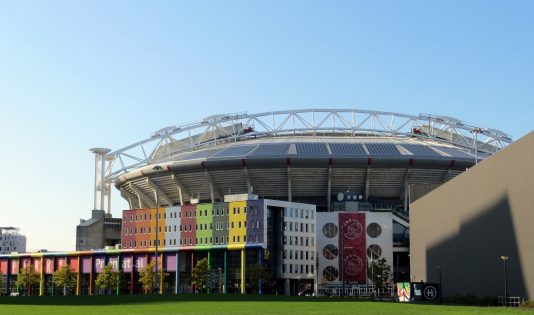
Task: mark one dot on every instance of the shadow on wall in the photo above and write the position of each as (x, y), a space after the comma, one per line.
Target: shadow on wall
(470, 260)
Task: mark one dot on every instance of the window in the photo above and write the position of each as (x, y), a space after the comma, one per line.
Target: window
(244, 238)
(245, 209)
(216, 240)
(232, 224)
(206, 212)
(239, 224)
(245, 222)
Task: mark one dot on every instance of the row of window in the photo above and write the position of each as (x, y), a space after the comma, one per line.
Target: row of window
(294, 227)
(298, 213)
(294, 254)
(198, 227)
(198, 240)
(294, 240)
(294, 268)
(193, 213)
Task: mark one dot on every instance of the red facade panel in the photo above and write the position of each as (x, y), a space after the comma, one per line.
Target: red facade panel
(352, 245)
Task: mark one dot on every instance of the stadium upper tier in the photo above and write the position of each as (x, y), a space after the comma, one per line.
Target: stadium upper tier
(303, 155)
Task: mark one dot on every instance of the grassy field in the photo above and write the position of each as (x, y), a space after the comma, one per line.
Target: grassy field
(206, 304)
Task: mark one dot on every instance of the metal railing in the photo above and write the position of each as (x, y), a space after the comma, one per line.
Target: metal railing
(364, 290)
(511, 301)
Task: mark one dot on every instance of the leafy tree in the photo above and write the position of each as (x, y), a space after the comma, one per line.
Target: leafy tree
(258, 273)
(28, 277)
(2, 283)
(146, 276)
(200, 274)
(65, 277)
(380, 273)
(108, 279)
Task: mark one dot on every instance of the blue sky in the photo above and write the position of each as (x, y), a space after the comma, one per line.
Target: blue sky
(82, 74)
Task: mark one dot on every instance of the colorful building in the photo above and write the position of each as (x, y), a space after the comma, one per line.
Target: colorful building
(232, 235)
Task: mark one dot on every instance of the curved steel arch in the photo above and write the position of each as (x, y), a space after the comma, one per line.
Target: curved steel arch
(213, 130)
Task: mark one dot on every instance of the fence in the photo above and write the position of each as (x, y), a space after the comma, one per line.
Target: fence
(511, 301)
(366, 290)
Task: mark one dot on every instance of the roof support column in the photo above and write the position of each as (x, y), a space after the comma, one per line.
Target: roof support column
(213, 188)
(329, 187)
(180, 188)
(289, 193)
(163, 196)
(133, 201)
(367, 177)
(250, 189)
(140, 196)
(407, 187)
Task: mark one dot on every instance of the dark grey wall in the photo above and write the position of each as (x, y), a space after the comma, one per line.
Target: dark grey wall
(465, 225)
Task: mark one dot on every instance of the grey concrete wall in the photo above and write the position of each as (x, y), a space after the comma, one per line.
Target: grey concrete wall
(465, 225)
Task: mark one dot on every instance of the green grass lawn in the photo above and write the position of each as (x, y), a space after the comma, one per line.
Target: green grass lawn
(217, 304)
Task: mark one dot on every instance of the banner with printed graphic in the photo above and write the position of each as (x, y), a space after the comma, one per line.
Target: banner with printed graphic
(49, 266)
(352, 260)
(127, 264)
(403, 291)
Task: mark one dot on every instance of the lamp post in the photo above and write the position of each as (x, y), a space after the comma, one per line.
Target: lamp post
(157, 168)
(504, 259)
(440, 286)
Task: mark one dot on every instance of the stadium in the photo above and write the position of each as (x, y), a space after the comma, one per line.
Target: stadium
(314, 195)
(303, 155)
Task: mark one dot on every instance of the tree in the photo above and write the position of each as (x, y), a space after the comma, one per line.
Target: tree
(27, 278)
(380, 273)
(2, 283)
(108, 279)
(258, 273)
(146, 276)
(200, 274)
(65, 277)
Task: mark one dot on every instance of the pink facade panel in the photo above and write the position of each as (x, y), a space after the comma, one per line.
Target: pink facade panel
(127, 264)
(49, 266)
(86, 265)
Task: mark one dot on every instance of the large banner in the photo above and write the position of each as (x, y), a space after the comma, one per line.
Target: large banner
(352, 260)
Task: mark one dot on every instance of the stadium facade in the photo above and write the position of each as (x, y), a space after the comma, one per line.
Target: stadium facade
(356, 171)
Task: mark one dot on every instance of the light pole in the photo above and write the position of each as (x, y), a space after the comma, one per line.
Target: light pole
(504, 259)
(157, 168)
(440, 286)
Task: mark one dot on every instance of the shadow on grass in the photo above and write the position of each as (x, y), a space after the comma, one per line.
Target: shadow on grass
(145, 299)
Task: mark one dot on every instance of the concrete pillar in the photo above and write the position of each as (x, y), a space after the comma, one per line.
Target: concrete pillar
(289, 193)
(177, 276)
(225, 279)
(243, 256)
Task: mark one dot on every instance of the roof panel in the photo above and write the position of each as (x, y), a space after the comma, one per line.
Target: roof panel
(238, 150)
(311, 149)
(268, 149)
(347, 149)
(387, 149)
(421, 150)
(198, 154)
(454, 152)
